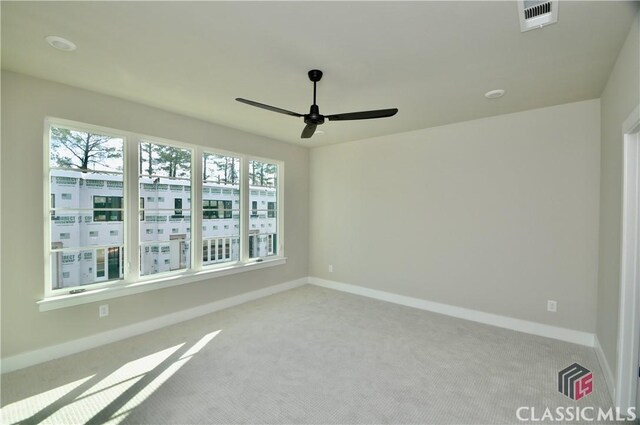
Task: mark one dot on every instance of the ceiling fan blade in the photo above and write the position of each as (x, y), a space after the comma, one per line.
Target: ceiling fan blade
(268, 107)
(308, 131)
(364, 115)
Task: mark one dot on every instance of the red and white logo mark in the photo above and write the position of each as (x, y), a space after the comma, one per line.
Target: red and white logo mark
(575, 381)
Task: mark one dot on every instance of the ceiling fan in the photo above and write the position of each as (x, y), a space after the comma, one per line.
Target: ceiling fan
(314, 118)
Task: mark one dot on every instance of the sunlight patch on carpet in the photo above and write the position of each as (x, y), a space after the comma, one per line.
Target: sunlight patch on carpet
(110, 399)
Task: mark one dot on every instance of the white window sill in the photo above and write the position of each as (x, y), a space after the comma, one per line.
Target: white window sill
(121, 290)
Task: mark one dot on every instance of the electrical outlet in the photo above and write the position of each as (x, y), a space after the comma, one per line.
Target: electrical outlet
(331, 268)
(552, 306)
(103, 310)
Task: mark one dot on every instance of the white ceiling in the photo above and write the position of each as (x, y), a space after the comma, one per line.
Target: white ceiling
(432, 60)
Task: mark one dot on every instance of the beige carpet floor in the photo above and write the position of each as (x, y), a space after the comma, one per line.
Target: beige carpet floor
(309, 355)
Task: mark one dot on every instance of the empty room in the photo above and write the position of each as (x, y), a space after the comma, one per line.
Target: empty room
(323, 212)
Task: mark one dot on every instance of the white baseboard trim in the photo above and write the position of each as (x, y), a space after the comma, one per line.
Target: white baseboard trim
(564, 334)
(42, 355)
(606, 369)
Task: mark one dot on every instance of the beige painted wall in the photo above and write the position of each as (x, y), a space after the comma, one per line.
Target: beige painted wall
(498, 214)
(620, 96)
(25, 103)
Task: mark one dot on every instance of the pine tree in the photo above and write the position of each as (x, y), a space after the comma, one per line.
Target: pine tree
(77, 149)
(146, 157)
(175, 162)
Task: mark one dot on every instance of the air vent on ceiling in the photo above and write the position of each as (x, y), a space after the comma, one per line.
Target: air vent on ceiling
(537, 13)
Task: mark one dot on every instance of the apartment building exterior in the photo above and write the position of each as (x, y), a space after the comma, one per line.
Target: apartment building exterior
(87, 211)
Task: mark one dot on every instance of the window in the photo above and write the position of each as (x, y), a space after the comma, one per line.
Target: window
(102, 208)
(165, 168)
(100, 263)
(177, 205)
(271, 210)
(79, 164)
(263, 181)
(270, 246)
(97, 197)
(205, 252)
(220, 192)
(216, 209)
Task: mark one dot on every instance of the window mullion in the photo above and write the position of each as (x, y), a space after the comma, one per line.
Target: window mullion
(196, 209)
(132, 209)
(280, 209)
(47, 211)
(244, 208)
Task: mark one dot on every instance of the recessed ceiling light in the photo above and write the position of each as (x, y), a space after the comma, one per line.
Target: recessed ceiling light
(494, 94)
(60, 43)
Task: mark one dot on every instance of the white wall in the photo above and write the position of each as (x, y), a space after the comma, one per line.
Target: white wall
(619, 98)
(25, 103)
(497, 215)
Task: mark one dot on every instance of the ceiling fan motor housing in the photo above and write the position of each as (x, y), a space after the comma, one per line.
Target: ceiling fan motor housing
(314, 117)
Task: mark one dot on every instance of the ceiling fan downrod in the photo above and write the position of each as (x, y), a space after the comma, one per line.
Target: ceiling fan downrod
(313, 118)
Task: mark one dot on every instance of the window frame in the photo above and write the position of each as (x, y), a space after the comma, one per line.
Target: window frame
(49, 291)
(244, 207)
(132, 282)
(255, 212)
(136, 245)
